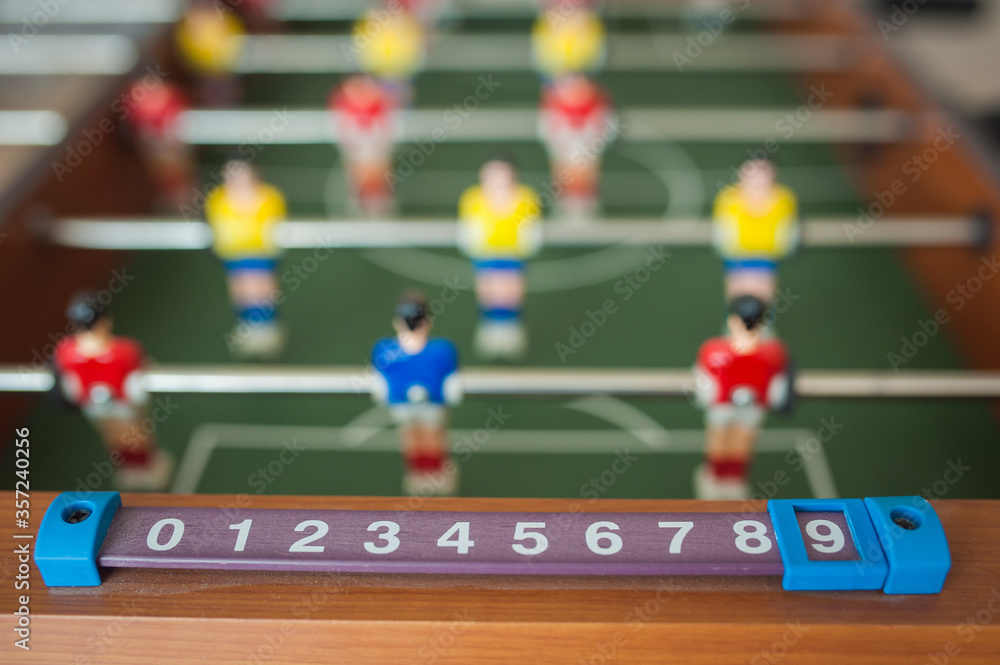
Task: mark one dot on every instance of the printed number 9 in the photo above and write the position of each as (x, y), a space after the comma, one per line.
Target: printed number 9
(830, 542)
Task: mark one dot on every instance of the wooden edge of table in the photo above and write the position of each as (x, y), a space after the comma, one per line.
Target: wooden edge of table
(943, 178)
(186, 616)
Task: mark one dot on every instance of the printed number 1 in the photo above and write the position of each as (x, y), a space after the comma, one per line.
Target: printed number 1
(244, 532)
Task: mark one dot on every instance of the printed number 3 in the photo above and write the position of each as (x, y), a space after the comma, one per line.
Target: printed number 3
(391, 541)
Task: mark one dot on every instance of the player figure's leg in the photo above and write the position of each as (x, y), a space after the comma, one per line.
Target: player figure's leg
(370, 185)
(252, 292)
(171, 164)
(139, 462)
(426, 452)
(730, 441)
(500, 294)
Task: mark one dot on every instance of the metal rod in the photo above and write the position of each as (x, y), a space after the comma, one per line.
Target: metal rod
(705, 125)
(627, 52)
(528, 382)
(32, 128)
(153, 234)
(66, 55)
(169, 11)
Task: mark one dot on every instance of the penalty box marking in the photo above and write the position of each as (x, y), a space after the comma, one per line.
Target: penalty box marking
(373, 436)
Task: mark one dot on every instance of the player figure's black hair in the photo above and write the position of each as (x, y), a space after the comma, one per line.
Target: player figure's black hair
(412, 309)
(84, 310)
(502, 156)
(750, 309)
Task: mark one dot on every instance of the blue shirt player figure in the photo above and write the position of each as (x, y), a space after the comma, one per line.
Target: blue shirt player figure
(417, 378)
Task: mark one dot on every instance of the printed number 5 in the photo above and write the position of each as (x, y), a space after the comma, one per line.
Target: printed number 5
(541, 542)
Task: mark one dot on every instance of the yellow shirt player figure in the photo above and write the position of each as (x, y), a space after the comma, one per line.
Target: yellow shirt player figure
(389, 44)
(499, 227)
(756, 225)
(568, 40)
(210, 40)
(244, 214)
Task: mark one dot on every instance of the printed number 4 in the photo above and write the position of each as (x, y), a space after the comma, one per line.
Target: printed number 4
(461, 541)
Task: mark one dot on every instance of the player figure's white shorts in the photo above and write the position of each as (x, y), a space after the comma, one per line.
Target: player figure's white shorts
(420, 413)
(113, 410)
(723, 415)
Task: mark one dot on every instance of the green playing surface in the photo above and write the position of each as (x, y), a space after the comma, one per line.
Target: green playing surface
(846, 309)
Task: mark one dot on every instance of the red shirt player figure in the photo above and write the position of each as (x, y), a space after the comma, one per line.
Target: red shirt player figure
(365, 117)
(576, 123)
(101, 374)
(738, 378)
(154, 107)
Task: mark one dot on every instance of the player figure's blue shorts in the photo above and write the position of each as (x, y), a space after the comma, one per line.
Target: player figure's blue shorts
(760, 265)
(251, 264)
(497, 265)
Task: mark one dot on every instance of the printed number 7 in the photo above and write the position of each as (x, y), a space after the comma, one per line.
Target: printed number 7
(678, 539)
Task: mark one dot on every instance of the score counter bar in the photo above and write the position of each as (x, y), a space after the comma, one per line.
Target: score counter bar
(895, 544)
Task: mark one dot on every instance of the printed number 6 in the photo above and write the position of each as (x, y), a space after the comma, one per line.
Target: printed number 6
(594, 538)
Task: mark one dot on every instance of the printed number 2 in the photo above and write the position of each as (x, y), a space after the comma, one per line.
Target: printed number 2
(322, 528)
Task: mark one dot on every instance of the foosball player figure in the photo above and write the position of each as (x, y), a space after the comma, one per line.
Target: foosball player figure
(417, 378)
(244, 214)
(390, 46)
(153, 113)
(738, 378)
(567, 38)
(365, 117)
(102, 375)
(499, 228)
(210, 40)
(756, 226)
(575, 123)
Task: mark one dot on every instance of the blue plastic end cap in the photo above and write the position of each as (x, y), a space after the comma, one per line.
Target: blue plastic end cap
(914, 543)
(868, 572)
(71, 535)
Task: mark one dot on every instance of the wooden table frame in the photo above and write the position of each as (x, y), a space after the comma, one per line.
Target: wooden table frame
(172, 616)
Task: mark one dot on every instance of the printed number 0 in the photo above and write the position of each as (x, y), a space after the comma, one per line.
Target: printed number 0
(829, 543)
(391, 541)
(594, 538)
(748, 530)
(177, 532)
(322, 528)
(541, 542)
